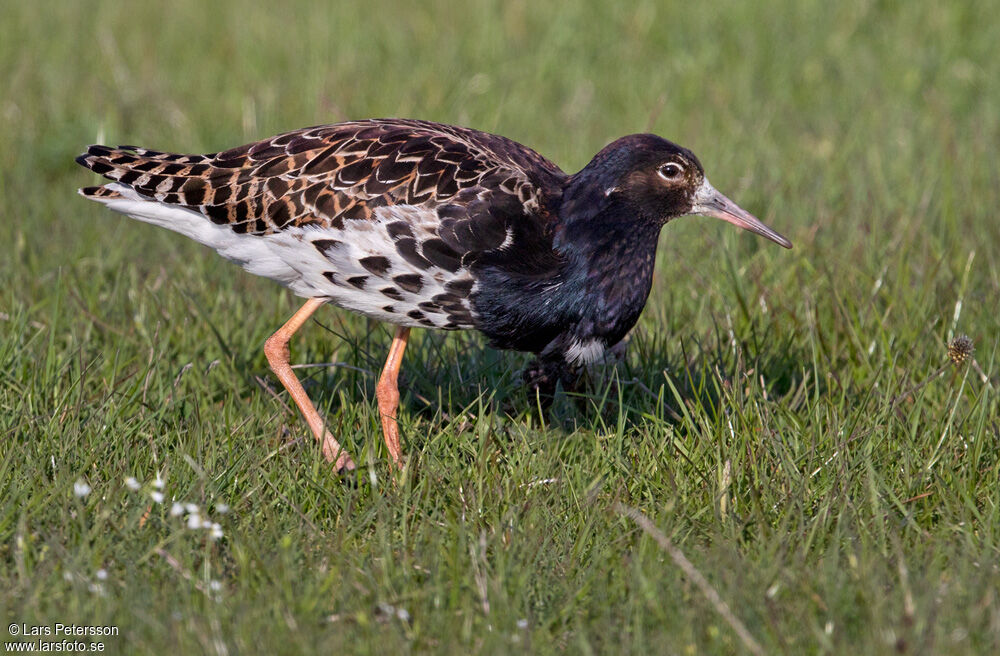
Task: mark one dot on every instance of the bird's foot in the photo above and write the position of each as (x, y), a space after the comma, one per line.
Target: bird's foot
(540, 383)
(333, 452)
(543, 376)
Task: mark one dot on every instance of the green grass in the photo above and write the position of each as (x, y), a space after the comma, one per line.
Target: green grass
(860, 514)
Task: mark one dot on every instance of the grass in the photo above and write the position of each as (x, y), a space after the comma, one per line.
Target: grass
(779, 415)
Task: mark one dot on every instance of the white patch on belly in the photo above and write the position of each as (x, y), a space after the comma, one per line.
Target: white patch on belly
(585, 352)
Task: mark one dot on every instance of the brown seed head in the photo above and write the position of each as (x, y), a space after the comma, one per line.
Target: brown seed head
(960, 349)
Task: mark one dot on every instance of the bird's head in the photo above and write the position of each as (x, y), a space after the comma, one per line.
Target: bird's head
(656, 180)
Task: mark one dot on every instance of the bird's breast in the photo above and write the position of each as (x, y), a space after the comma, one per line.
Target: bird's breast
(586, 303)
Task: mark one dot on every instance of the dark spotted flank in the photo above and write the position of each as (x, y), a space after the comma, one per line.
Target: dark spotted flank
(422, 224)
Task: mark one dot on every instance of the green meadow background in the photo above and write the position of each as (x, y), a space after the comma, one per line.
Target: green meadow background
(790, 419)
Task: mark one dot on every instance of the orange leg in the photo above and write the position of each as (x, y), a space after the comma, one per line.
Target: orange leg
(387, 394)
(276, 350)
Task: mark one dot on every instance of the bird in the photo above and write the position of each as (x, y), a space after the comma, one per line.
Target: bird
(425, 225)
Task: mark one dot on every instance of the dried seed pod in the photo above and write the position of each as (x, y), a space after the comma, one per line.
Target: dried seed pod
(960, 349)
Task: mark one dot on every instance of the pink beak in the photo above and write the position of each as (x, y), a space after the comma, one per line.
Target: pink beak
(709, 202)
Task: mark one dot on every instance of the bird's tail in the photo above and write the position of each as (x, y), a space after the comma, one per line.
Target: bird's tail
(165, 177)
(184, 193)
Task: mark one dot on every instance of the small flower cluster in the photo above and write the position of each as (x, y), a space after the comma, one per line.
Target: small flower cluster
(95, 585)
(194, 518)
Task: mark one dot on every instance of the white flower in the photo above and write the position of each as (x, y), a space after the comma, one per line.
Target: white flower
(206, 524)
(222, 508)
(132, 483)
(156, 496)
(522, 624)
(80, 488)
(158, 482)
(101, 574)
(393, 611)
(216, 532)
(214, 586)
(194, 521)
(191, 508)
(177, 509)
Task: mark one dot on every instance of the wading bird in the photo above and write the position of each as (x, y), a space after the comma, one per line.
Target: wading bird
(420, 224)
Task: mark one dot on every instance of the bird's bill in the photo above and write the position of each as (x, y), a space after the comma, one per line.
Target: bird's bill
(709, 202)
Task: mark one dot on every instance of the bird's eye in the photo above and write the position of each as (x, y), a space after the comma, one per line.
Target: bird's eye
(671, 171)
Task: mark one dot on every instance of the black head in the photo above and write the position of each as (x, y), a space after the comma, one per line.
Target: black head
(655, 180)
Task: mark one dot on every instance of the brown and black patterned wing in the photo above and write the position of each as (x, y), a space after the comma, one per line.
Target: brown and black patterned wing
(325, 175)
